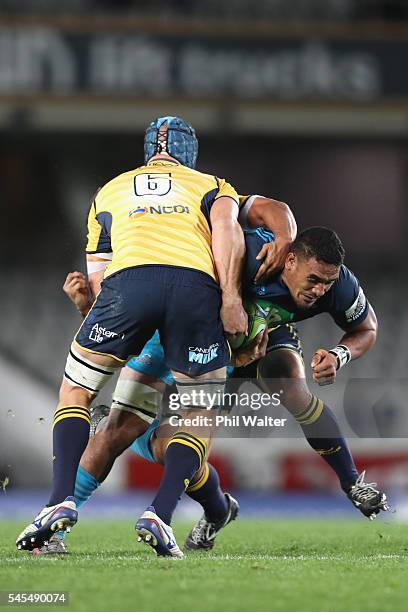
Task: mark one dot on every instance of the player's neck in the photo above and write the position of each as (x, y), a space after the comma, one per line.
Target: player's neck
(162, 156)
(282, 278)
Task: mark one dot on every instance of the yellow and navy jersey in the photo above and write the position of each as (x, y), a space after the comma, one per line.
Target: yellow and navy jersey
(243, 200)
(157, 214)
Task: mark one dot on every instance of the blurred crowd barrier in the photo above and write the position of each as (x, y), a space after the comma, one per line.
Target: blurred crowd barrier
(132, 59)
(278, 9)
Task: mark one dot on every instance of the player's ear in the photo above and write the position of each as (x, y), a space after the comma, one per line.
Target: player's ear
(290, 261)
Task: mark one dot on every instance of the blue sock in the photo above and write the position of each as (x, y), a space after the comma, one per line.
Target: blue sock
(323, 433)
(70, 437)
(85, 485)
(184, 456)
(207, 492)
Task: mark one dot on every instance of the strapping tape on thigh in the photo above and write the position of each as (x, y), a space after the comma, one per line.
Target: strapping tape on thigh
(207, 394)
(133, 396)
(84, 373)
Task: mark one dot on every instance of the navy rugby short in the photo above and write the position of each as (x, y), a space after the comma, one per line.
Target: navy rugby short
(183, 304)
(282, 337)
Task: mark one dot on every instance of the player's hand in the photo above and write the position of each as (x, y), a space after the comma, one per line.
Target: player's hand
(77, 288)
(273, 255)
(254, 351)
(323, 366)
(233, 316)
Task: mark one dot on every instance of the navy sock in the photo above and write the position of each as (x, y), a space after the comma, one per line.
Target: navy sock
(70, 437)
(207, 492)
(323, 433)
(184, 456)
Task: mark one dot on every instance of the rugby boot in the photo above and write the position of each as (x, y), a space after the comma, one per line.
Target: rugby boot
(56, 546)
(98, 414)
(203, 534)
(154, 532)
(60, 517)
(367, 498)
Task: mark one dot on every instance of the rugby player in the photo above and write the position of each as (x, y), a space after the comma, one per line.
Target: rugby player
(140, 385)
(177, 252)
(314, 281)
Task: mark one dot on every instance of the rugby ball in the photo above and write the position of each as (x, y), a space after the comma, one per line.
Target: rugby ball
(257, 322)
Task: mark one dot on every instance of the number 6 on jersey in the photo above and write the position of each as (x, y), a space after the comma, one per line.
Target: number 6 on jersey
(152, 184)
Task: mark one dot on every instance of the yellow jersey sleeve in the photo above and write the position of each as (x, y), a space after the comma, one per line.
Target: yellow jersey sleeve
(99, 240)
(242, 200)
(225, 189)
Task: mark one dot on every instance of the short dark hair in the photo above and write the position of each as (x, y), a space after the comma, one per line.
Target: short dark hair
(321, 243)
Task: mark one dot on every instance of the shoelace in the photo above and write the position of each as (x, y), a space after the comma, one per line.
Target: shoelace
(366, 493)
(198, 534)
(364, 490)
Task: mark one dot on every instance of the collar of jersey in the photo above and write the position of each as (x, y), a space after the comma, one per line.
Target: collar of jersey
(273, 287)
(162, 161)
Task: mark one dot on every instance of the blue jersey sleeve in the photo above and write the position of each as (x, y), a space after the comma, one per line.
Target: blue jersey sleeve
(254, 241)
(349, 306)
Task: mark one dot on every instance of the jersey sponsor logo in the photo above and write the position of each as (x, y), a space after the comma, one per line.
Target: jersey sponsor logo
(357, 308)
(98, 333)
(138, 212)
(197, 354)
(159, 210)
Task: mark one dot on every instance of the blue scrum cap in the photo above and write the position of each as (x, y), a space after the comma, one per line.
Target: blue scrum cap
(181, 142)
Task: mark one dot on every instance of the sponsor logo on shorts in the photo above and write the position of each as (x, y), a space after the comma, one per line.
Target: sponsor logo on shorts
(197, 354)
(98, 333)
(159, 210)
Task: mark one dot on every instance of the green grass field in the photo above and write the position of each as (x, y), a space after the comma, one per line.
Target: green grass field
(256, 565)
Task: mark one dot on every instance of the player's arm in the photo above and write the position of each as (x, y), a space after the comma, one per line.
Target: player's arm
(253, 352)
(228, 247)
(96, 266)
(359, 323)
(81, 290)
(363, 336)
(77, 288)
(277, 217)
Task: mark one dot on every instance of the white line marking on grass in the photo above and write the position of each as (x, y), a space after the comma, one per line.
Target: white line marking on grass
(111, 557)
(316, 557)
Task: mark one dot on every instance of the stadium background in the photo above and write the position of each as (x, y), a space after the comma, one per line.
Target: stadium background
(304, 101)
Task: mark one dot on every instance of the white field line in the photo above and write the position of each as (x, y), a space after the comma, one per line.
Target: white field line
(74, 558)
